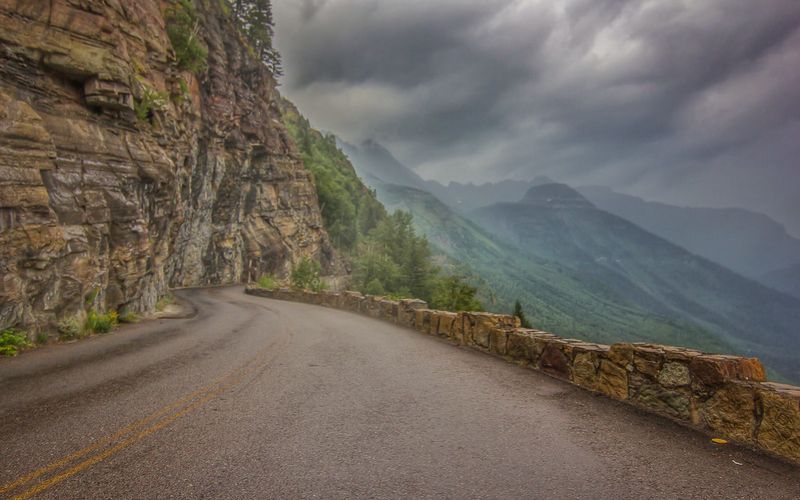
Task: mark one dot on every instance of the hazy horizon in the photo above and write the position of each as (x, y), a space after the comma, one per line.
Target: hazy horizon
(685, 103)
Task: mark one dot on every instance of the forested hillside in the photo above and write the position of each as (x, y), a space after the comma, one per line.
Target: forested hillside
(554, 297)
(383, 252)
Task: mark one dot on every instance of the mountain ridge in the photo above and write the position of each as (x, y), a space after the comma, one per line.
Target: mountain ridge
(655, 274)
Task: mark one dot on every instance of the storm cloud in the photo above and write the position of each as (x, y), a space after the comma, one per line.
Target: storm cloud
(691, 102)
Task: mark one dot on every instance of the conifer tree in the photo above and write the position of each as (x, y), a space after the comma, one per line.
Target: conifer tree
(518, 312)
(258, 25)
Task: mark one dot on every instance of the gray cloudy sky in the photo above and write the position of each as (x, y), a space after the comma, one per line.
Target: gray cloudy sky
(686, 101)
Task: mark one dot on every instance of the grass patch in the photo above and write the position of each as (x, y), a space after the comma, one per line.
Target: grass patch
(127, 316)
(267, 282)
(41, 338)
(164, 301)
(12, 341)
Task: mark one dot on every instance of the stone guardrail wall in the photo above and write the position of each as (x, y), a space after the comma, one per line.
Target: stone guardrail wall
(723, 396)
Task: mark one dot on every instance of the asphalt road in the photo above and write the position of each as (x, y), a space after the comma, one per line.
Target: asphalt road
(253, 398)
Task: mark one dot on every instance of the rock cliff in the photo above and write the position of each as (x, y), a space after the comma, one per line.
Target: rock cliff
(101, 208)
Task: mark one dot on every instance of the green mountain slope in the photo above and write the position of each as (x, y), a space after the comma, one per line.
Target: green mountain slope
(555, 222)
(349, 209)
(556, 298)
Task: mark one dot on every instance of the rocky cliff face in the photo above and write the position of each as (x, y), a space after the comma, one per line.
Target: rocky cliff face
(101, 208)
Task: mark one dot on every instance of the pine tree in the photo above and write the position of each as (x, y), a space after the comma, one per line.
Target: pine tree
(258, 25)
(518, 312)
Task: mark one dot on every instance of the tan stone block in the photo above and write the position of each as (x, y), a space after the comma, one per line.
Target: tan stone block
(680, 353)
(445, 323)
(621, 354)
(406, 311)
(478, 325)
(674, 374)
(498, 339)
(457, 331)
(716, 369)
(647, 360)
(730, 412)
(422, 320)
(674, 402)
(613, 380)
(519, 343)
(585, 370)
(388, 310)
(779, 431)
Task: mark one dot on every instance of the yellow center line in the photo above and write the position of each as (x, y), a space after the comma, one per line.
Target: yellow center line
(209, 392)
(118, 447)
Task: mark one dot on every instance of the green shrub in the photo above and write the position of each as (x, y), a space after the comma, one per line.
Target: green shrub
(374, 287)
(305, 275)
(452, 293)
(100, 323)
(183, 29)
(317, 285)
(70, 329)
(12, 340)
(267, 282)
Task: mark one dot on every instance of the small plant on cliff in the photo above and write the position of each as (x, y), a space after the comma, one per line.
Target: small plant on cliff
(151, 100)
(267, 282)
(164, 301)
(70, 329)
(305, 275)
(100, 323)
(182, 94)
(518, 312)
(12, 340)
(183, 29)
(128, 316)
(91, 297)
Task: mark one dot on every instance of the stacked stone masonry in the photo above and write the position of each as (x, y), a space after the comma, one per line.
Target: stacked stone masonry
(724, 396)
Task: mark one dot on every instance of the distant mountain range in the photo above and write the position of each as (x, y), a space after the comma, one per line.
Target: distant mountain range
(752, 244)
(555, 222)
(582, 269)
(786, 279)
(557, 298)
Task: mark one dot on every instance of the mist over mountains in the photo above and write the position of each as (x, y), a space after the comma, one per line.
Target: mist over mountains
(607, 266)
(749, 243)
(687, 103)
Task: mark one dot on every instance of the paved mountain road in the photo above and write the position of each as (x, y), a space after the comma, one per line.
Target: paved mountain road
(253, 398)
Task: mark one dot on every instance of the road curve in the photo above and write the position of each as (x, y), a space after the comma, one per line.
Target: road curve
(254, 398)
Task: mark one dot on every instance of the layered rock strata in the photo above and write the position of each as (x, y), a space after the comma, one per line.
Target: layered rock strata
(101, 208)
(724, 396)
